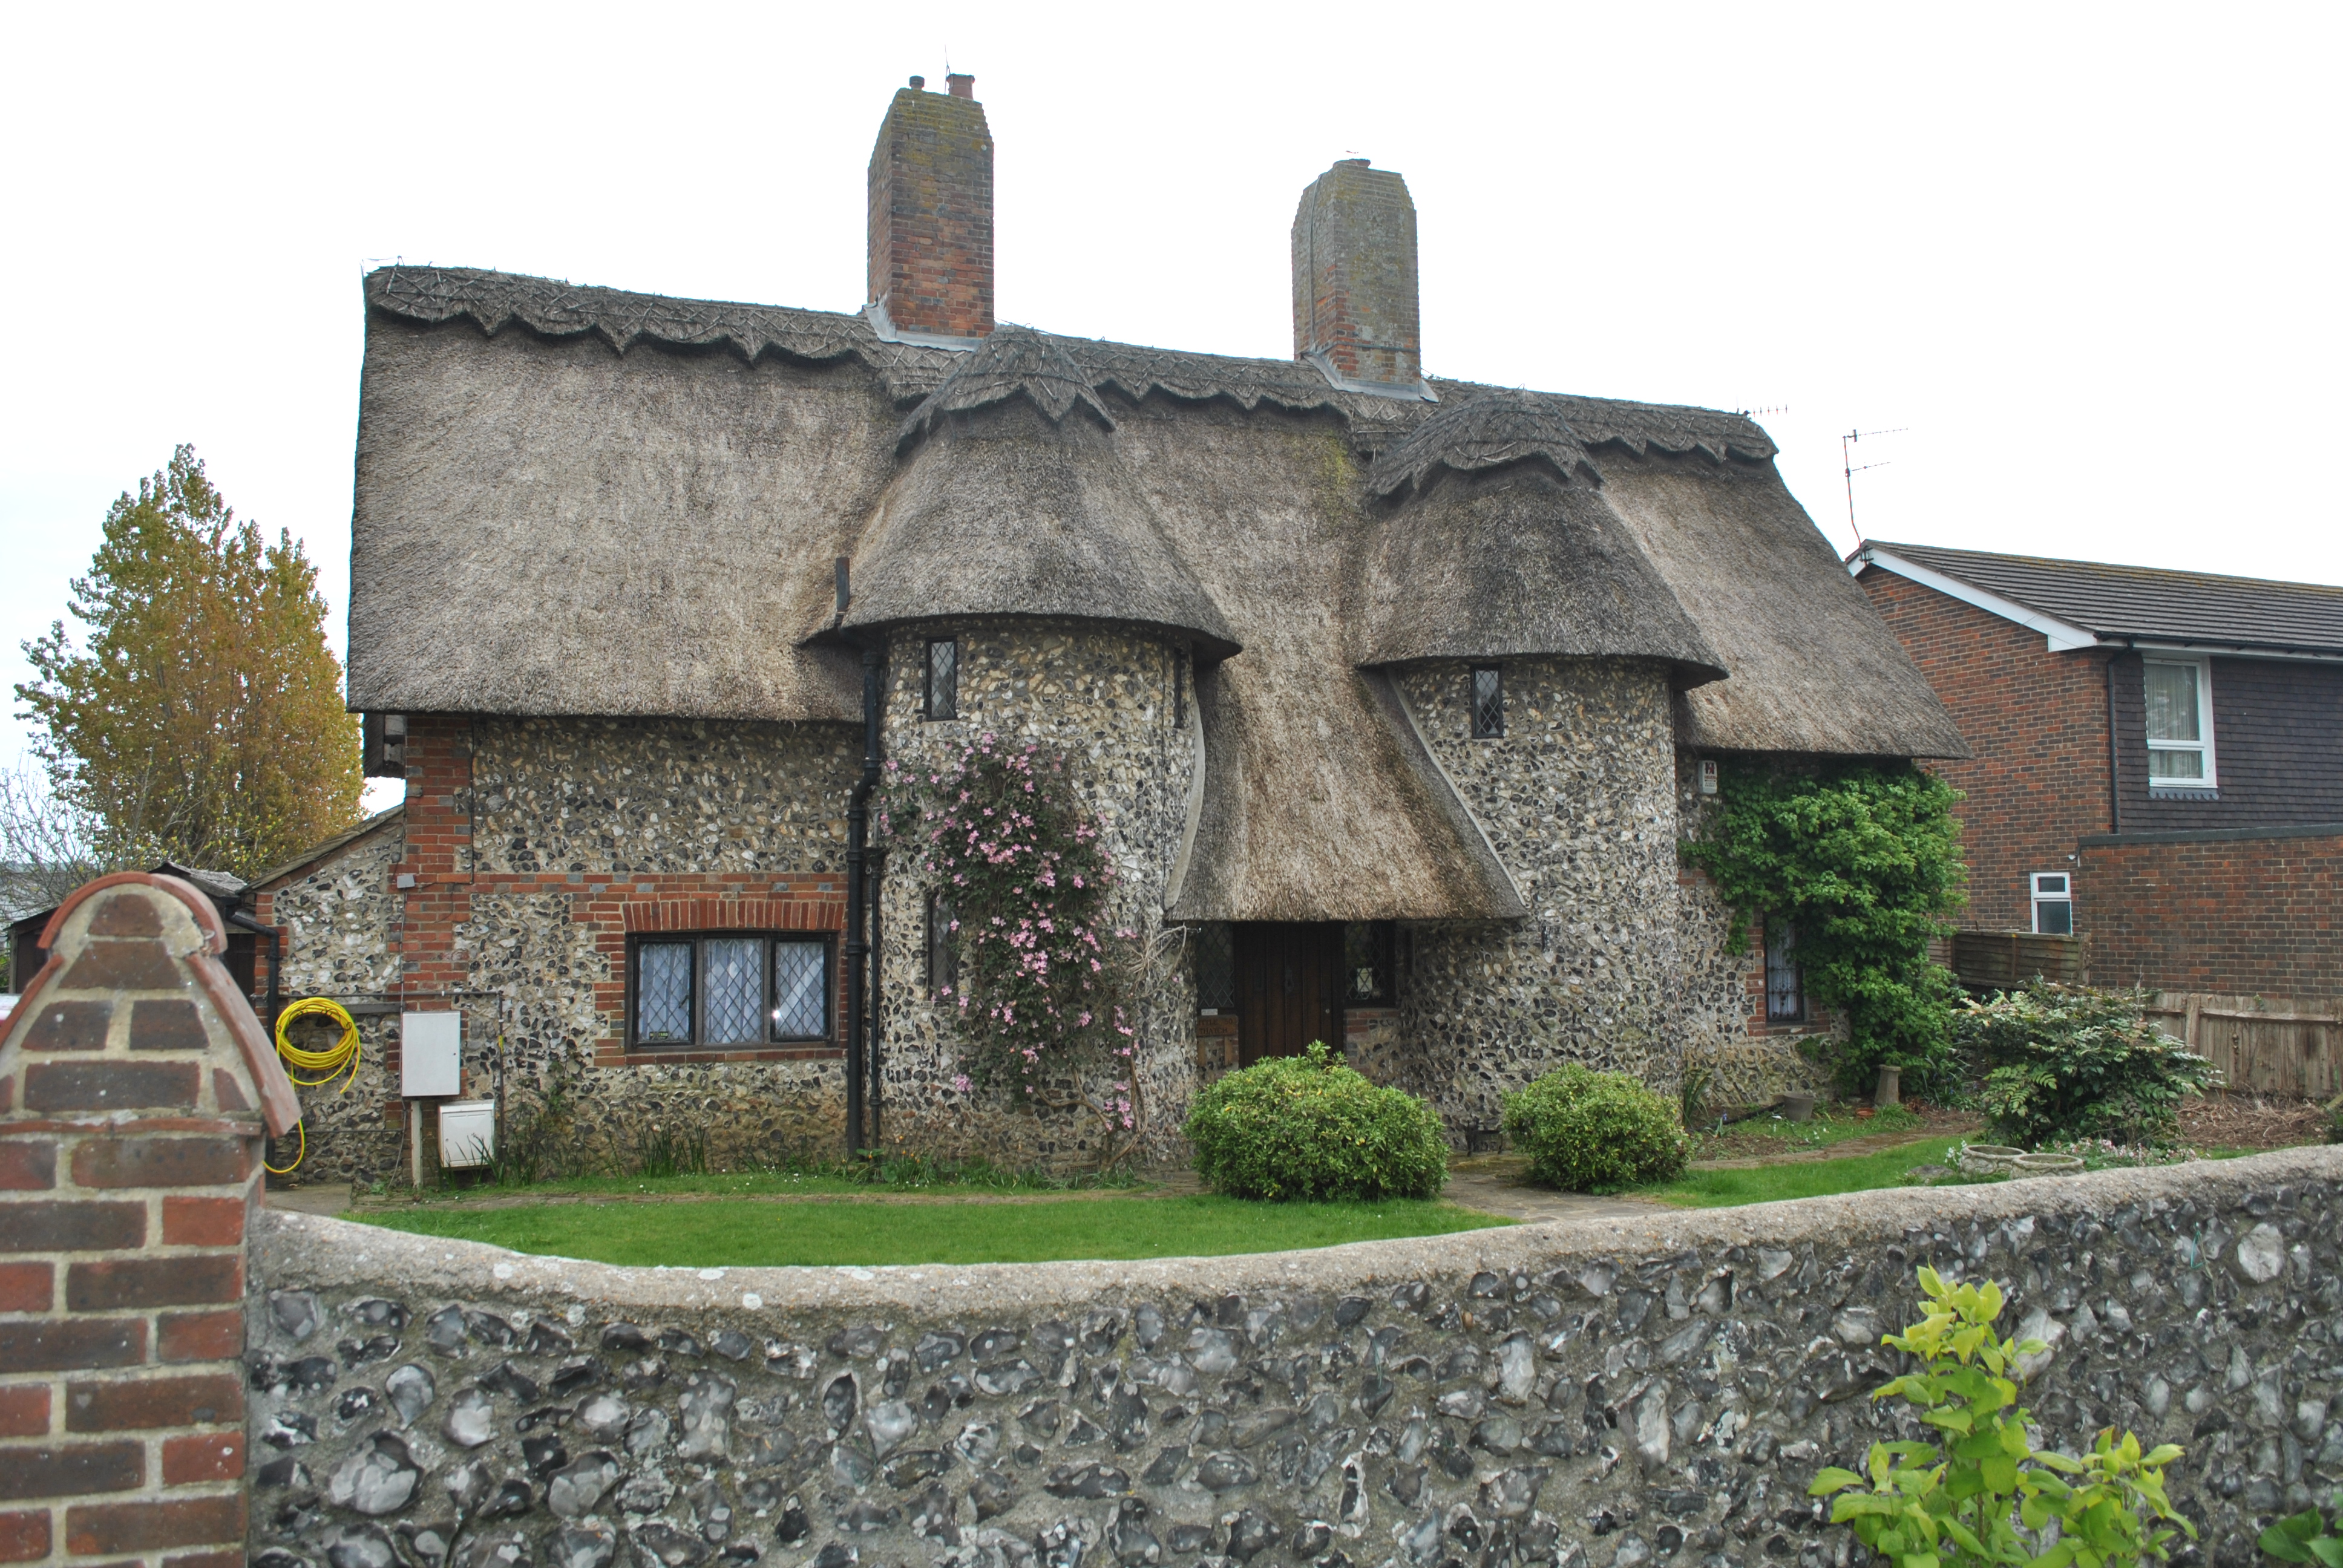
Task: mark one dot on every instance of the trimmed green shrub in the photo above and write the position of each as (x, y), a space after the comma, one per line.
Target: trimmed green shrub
(1585, 1132)
(2063, 1062)
(1308, 1128)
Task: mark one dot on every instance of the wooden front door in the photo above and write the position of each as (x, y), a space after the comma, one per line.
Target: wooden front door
(1288, 987)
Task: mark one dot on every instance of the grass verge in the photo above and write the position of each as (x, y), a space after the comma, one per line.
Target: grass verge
(1804, 1179)
(752, 1234)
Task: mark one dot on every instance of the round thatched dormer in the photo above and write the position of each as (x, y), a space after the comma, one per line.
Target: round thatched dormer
(1494, 541)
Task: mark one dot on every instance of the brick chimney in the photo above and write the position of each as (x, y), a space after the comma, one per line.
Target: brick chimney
(1354, 305)
(931, 214)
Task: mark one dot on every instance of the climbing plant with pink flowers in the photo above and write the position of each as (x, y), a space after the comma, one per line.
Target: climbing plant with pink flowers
(1016, 858)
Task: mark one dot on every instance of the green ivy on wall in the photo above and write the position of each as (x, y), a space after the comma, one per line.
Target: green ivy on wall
(1866, 863)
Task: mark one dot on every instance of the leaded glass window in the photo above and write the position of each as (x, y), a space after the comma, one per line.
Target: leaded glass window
(801, 990)
(1785, 993)
(943, 678)
(732, 989)
(1488, 702)
(1367, 963)
(729, 989)
(1216, 968)
(943, 948)
(663, 993)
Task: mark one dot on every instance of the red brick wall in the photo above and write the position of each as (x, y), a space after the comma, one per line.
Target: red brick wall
(2037, 723)
(2237, 916)
(131, 1083)
(931, 216)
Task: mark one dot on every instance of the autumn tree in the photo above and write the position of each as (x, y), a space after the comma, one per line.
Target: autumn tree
(201, 720)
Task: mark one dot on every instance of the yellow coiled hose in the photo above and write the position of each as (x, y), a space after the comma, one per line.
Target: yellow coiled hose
(340, 1059)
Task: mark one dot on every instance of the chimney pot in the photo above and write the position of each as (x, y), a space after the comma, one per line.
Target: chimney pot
(962, 85)
(918, 82)
(930, 264)
(1354, 286)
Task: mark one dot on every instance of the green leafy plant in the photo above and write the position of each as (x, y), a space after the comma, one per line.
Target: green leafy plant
(1866, 863)
(2063, 1062)
(1959, 1500)
(1018, 859)
(673, 1151)
(2306, 1537)
(1586, 1131)
(1307, 1127)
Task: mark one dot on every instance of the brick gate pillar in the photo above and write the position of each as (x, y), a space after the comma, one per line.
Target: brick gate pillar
(135, 1086)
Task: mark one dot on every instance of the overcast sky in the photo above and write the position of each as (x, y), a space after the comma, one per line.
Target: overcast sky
(2083, 257)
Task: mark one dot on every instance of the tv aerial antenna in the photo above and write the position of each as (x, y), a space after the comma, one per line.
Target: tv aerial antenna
(1847, 445)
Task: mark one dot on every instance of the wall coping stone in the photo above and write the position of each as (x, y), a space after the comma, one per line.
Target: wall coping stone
(314, 1252)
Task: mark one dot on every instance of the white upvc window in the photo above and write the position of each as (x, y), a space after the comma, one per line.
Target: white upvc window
(2054, 904)
(2179, 693)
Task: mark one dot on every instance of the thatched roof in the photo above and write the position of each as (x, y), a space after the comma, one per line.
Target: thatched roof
(583, 501)
(1016, 502)
(1496, 541)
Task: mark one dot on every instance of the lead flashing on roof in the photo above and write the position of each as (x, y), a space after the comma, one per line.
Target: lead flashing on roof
(884, 326)
(1421, 392)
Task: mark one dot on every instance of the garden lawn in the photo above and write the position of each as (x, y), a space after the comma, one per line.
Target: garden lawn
(1804, 1179)
(745, 1234)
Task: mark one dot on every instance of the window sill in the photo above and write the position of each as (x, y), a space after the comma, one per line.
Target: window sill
(615, 1053)
(2181, 792)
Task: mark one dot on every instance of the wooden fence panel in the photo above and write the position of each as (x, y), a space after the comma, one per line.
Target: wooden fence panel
(2006, 961)
(2285, 1046)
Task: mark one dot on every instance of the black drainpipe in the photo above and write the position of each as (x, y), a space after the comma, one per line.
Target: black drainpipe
(876, 860)
(276, 961)
(2115, 775)
(857, 948)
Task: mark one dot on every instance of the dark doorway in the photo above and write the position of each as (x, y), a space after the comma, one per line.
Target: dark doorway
(1288, 987)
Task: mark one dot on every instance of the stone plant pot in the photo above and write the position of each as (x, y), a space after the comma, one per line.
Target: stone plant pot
(2046, 1165)
(1891, 1088)
(1985, 1158)
(1797, 1107)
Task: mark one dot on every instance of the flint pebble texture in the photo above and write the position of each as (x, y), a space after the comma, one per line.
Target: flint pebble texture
(1597, 1393)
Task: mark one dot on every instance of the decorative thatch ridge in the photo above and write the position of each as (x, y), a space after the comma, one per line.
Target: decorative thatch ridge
(552, 309)
(1015, 361)
(1489, 432)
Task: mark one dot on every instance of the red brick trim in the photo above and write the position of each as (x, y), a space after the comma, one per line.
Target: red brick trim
(721, 914)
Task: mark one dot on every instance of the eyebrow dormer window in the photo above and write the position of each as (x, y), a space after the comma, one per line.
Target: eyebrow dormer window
(942, 700)
(1488, 700)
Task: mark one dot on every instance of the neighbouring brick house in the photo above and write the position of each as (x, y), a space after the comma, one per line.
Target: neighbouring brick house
(2157, 760)
(1392, 692)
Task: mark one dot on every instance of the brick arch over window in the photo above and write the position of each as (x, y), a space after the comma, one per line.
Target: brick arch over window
(734, 915)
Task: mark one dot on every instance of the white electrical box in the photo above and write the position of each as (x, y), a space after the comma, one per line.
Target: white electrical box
(430, 1054)
(468, 1132)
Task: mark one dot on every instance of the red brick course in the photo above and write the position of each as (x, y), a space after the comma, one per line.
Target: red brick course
(25, 1411)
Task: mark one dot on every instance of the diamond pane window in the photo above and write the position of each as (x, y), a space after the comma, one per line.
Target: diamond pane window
(732, 989)
(1216, 968)
(801, 990)
(663, 993)
(943, 679)
(1488, 702)
(1367, 963)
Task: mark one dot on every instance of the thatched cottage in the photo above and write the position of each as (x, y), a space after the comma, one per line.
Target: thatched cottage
(1392, 693)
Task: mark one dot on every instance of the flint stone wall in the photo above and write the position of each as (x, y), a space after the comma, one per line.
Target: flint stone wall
(1614, 1394)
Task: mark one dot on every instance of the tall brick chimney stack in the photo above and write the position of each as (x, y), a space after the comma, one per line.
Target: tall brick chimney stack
(932, 213)
(1355, 303)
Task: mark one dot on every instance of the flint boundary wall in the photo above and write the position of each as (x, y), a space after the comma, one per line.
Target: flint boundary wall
(1606, 1393)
